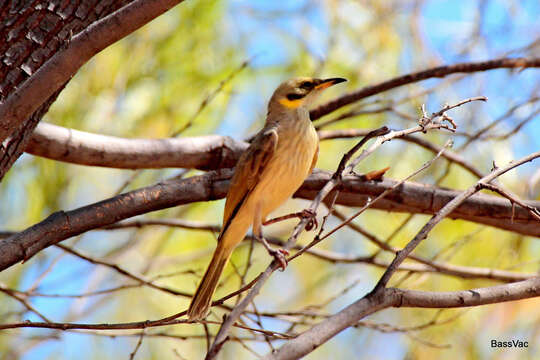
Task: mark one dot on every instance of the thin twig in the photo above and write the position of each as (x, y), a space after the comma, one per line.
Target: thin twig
(447, 209)
(137, 346)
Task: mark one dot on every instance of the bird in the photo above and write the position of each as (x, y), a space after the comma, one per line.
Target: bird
(281, 155)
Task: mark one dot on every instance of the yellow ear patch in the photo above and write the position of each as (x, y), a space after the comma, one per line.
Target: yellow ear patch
(291, 104)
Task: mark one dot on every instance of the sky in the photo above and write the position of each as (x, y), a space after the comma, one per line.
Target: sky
(446, 24)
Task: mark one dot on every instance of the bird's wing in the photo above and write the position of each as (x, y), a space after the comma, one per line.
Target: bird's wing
(314, 161)
(248, 171)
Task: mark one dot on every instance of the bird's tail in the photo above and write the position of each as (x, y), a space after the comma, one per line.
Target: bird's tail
(200, 304)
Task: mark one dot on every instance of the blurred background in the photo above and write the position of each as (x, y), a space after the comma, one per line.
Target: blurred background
(209, 67)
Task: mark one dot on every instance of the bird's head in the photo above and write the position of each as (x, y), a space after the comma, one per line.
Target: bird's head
(301, 92)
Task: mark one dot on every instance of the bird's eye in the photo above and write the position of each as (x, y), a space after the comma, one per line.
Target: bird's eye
(294, 96)
(308, 85)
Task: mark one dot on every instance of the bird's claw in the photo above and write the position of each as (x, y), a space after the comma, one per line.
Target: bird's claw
(312, 216)
(280, 255)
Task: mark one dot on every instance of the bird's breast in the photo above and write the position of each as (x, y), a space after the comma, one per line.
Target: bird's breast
(289, 165)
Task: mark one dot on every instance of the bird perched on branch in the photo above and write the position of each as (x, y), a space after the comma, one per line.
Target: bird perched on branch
(268, 173)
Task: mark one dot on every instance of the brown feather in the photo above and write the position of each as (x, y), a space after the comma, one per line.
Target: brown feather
(249, 169)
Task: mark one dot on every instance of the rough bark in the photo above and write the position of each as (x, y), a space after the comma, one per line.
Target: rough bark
(45, 44)
(410, 197)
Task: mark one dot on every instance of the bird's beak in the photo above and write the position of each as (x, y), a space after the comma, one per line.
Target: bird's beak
(326, 83)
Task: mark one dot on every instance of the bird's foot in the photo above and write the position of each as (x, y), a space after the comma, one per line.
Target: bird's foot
(312, 216)
(279, 255)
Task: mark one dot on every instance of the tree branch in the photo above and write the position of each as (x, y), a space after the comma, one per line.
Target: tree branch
(440, 71)
(50, 77)
(409, 197)
(390, 297)
(328, 187)
(62, 225)
(415, 198)
(426, 265)
(201, 152)
(444, 212)
(79, 147)
(380, 298)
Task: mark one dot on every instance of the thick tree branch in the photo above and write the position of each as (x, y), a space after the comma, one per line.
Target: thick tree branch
(202, 152)
(50, 77)
(79, 147)
(440, 71)
(409, 197)
(27, 25)
(62, 225)
(390, 297)
(425, 265)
